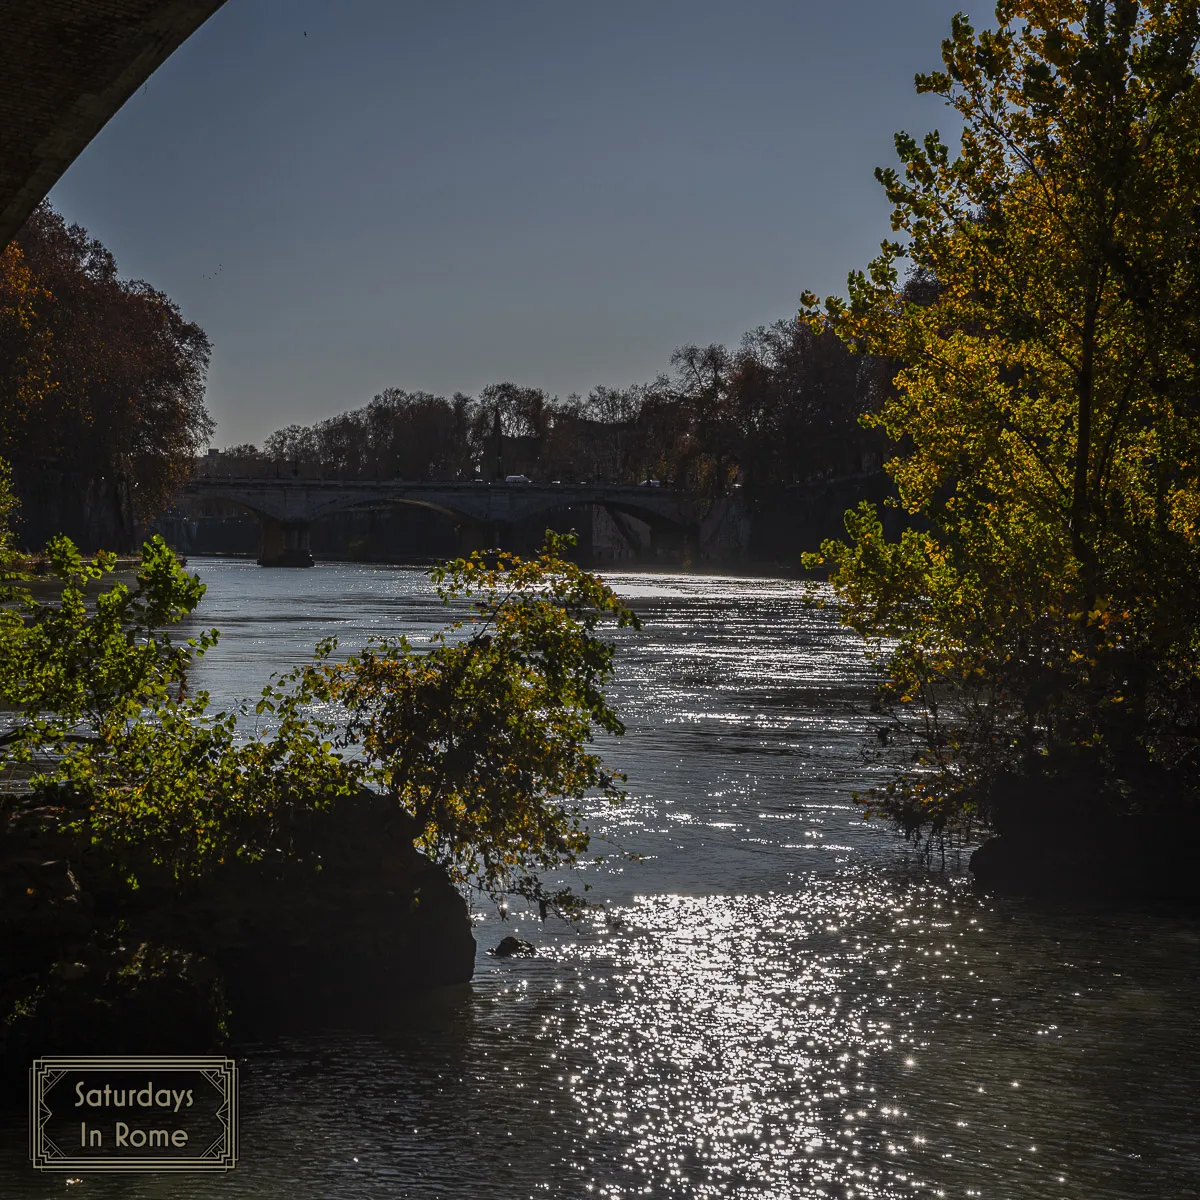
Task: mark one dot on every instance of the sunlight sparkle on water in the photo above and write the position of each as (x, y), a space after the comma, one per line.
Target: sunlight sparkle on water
(777, 1001)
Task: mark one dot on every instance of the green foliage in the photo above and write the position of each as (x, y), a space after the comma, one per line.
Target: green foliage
(68, 662)
(1045, 622)
(8, 512)
(93, 689)
(482, 735)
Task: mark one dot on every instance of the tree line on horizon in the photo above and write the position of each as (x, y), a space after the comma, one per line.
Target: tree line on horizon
(780, 410)
(102, 380)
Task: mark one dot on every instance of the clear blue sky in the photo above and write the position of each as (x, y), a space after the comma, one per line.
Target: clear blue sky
(355, 194)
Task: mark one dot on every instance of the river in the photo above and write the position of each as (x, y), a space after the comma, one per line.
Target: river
(780, 1000)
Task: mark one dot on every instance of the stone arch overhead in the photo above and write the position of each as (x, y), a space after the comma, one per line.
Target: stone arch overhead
(69, 65)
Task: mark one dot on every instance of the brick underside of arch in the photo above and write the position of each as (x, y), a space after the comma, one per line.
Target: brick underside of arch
(67, 67)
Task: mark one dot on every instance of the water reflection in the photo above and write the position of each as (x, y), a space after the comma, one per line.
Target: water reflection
(779, 1001)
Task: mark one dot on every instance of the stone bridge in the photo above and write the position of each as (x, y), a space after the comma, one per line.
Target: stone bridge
(286, 508)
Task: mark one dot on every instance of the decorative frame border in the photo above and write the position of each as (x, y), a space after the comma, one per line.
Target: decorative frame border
(220, 1073)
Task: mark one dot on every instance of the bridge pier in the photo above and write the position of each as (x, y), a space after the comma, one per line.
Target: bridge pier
(284, 544)
(479, 535)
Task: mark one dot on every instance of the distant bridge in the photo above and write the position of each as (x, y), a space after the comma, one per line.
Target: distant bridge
(287, 508)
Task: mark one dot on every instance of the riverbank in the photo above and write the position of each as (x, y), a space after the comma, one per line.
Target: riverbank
(716, 569)
(39, 564)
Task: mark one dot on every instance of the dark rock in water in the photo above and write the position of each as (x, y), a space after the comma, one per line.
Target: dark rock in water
(119, 1000)
(299, 945)
(514, 947)
(352, 921)
(1073, 834)
(1126, 860)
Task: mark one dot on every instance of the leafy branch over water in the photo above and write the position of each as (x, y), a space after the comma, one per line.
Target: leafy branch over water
(482, 736)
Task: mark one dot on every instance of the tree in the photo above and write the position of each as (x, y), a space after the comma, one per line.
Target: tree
(483, 737)
(103, 376)
(24, 345)
(796, 395)
(1047, 618)
(523, 410)
(706, 458)
(293, 444)
(399, 434)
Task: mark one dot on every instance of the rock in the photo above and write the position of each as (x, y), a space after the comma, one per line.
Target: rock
(348, 923)
(514, 947)
(145, 1000)
(1124, 860)
(357, 921)
(1073, 835)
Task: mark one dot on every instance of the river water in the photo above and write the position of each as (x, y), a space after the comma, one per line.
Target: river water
(779, 1002)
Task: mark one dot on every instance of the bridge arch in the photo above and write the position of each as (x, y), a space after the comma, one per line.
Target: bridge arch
(75, 65)
(282, 543)
(469, 532)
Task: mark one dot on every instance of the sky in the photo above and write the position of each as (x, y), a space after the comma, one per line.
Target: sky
(349, 195)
